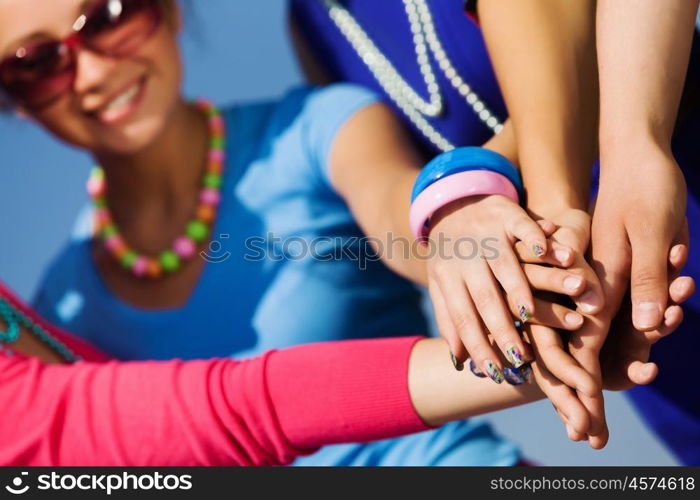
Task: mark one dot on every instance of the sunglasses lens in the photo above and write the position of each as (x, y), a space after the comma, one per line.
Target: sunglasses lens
(39, 75)
(115, 28)
(119, 27)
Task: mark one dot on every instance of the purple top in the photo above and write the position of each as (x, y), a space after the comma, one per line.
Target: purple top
(459, 35)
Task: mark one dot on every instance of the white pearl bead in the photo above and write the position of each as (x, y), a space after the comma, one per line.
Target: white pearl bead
(399, 90)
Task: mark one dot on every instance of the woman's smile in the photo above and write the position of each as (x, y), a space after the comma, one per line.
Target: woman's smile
(122, 104)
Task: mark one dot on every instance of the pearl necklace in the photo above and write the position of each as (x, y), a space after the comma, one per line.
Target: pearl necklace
(425, 40)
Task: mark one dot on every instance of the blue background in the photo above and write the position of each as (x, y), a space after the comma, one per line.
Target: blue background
(233, 51)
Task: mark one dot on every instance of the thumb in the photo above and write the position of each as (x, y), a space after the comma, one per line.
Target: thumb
(649, 286)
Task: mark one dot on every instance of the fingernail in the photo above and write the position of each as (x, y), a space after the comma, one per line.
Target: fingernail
(493, 372)
(573, 283)
(475, 370)
(646, 314)
(537, 250)
(561, 255)
(573, 319)
(517, 376)
(514, 356)
(588, 302)
(458, 365)
(524, 313)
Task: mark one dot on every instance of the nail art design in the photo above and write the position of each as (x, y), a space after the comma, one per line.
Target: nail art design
(537, 250)
(514, 356)
(517, 376)
(524, 313)
(458, 366)
(493, 372)
(475, 370)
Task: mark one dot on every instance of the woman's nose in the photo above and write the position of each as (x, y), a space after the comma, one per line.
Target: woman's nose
(92, 71)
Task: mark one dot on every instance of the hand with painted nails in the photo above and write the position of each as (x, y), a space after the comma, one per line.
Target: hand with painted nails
(487, 256)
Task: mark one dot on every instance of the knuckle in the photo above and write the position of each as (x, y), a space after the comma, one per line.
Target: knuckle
(645, 279)
(462, 322)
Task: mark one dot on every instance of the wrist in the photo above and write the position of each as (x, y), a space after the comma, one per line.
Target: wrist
(547, 206)
(618, 145)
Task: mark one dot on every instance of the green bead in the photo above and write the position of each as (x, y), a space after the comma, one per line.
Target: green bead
(197, 231)
(217, 143)
(212, 180)
(169, 261)
(97, 172)
(100, 202)
(128, 259)
(109, 230)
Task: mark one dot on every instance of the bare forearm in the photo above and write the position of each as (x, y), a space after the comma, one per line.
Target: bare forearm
(441, 394)
(643, 50)
(544, 56)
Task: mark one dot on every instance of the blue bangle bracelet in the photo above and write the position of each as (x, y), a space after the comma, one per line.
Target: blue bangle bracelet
(463, 160)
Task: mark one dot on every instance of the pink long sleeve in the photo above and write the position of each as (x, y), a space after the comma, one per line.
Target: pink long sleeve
(264, 411)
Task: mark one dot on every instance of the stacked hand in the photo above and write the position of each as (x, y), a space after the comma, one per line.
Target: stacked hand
(542, 266)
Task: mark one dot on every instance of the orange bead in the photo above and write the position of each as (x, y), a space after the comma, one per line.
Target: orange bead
(120, 251)
(215, 167)
(154, 269)
(206, 213)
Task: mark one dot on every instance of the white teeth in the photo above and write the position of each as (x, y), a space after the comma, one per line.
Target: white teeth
(123, 98)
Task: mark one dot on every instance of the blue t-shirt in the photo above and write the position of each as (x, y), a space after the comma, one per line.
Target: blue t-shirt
(289, 267)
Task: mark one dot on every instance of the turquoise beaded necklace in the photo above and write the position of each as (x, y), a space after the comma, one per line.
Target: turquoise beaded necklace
(15, 319)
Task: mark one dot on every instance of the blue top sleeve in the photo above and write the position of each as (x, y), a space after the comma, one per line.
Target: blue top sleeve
(326, 111)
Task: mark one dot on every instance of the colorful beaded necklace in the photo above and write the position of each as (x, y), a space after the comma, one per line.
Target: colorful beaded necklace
(184, 247)
(15, 319)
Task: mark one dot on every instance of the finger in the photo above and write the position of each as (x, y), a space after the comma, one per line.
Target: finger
(649, 288)
(641, 373)
(497, 319)
(563, 399)
(549, 351)
(458, 353)
(529, 232)
(681, 289)
(678, 257)
(572, 433)
(595, 405)
(553, 279)
(673, 317)
(556, 316)
(508, 272)
(591, 301)
(557, 254)
(466, 322)
(610, 259)
(548, 227)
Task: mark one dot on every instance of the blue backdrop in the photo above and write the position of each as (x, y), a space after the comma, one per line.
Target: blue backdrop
(237, 50)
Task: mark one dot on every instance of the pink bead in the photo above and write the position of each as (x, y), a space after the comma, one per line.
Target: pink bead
(210, 196)
(216, 121)
(184, 247)
(95, 187)
(216, 155)
(140, 266)
(114, 242)
(102, 215)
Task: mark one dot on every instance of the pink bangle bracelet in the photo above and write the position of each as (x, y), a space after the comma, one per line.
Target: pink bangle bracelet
(455, 187)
